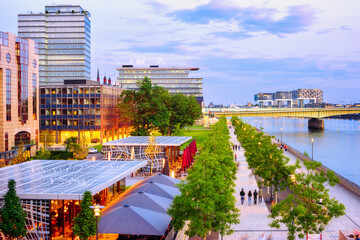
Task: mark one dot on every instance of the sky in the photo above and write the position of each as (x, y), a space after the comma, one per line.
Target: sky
(241, 47)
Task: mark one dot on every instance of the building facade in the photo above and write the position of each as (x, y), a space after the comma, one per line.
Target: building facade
(63, 35)
(175, 80)
(293, 98)
(19, 72)
(80, 106)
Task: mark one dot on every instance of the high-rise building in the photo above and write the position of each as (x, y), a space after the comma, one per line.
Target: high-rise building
(63, 35)
(293, 98)
(174, 79)
(19, 86)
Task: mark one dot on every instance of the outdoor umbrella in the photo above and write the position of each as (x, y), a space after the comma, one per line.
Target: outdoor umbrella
(159, 189)
(144, 200)
(166, 180)
(131, 220)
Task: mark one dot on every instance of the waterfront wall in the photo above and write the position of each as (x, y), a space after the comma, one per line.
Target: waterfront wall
(353, 187)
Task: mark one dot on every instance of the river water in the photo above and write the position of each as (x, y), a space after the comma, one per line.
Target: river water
(337, 147)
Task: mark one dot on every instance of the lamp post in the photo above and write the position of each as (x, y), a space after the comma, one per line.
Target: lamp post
(281, 135)
(97, 208)
(312, 149)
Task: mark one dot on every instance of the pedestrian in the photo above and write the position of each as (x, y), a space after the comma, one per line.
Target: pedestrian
(242, 196)
(235, 157)
(255, 196)
(260, 195)
(249, 197)
(262, 237)
(233, 147)
(285, 148)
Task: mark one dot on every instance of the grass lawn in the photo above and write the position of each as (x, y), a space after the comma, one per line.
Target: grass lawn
(199, 133)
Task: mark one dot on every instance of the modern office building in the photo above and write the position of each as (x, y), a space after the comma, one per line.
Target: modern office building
(51, 191)
(63, 35)
(174, 79)
(293, 98)
(19, 71)
(81, 106)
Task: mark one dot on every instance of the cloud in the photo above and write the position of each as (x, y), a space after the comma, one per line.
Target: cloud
(252, 19)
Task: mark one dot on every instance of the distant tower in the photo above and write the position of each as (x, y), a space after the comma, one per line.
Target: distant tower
(98, 76)
(104, 79)
(109, 81)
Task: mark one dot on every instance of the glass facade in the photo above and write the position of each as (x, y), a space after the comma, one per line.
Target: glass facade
(8, 95)
(175, 80)
(72, 108)
(63, 37)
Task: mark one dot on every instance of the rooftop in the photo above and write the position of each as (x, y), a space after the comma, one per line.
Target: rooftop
(144, 141)
(64, 179)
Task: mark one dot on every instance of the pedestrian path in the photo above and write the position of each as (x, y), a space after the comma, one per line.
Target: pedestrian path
(254, 218)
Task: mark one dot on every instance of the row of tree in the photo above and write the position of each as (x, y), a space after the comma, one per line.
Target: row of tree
(309, 207)
(152, 107)
(207, 202)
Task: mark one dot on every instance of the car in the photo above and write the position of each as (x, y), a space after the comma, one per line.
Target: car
(93, 150)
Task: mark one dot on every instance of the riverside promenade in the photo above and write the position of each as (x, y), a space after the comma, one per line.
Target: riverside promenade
(254, 218)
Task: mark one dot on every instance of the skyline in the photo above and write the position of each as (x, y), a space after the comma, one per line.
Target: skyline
(241, 48)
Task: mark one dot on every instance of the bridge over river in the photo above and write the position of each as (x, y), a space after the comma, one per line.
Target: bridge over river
(314, 114)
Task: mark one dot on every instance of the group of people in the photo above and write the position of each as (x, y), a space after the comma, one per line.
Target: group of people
(236, 147)
(283, 147)
(250, 195)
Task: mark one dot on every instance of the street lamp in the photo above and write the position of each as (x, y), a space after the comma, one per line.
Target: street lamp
(312, 149)
(97, 208)
(281, 135)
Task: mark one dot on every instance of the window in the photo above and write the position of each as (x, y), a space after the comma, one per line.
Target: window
(34, 63)
(8, 95)
(6, 142)
(22, 138)
(8, 57)
(34, 97)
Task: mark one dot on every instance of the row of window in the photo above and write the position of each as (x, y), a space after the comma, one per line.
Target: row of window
(69, 101)
(71, 90)
(69, 112)
(158, 81)
(155, 71)
(79, 122)
(153, 76)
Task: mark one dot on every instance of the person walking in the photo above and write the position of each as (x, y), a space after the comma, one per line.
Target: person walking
(235, 157)
(242, 196)
(249, 197)
(260, 195)
(255, 196)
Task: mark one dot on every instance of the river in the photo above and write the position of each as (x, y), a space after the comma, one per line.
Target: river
(337, 147)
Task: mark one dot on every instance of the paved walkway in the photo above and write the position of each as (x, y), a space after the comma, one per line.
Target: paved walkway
(254, 218)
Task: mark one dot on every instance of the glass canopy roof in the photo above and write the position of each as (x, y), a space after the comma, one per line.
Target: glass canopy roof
(64, 179)
(144, 141)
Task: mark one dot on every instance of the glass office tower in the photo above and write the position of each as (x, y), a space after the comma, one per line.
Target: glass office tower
(174, 79)
(63, 35)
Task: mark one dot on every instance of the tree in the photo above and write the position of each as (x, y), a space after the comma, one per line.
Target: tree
(21, 154)
(152, 108)
(12, 215)
(183, 113)
(207, 199)
(146, 108)
(83, 147)
(309, 208)
(85, 221)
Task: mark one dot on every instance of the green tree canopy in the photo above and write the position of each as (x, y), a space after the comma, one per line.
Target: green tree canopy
(85, 221)
(151, 107)
(12, 215)
(207, 199)
(309, 208)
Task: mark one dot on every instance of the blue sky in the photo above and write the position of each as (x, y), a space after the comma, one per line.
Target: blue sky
(241, 47)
